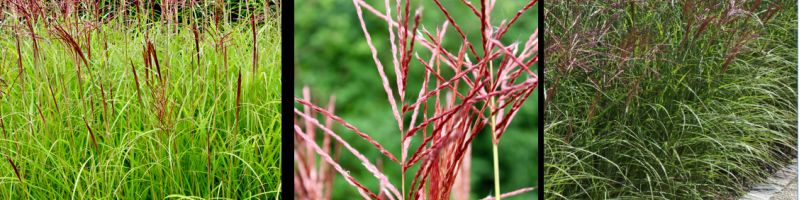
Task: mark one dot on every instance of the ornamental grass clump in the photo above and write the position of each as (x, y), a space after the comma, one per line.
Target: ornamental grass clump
(668, 100)
(101, 99)
(475, 89)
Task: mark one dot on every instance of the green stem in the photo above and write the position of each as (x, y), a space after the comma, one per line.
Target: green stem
(403, 186)
(496, 163)
(496, 172)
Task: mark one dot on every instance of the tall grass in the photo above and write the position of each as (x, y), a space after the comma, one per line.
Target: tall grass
(475, 89)
(116, 100)
(668, 100)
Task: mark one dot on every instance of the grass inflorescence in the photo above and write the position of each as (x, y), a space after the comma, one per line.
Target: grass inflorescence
(668, 100)
(139, 99)
(473, 90)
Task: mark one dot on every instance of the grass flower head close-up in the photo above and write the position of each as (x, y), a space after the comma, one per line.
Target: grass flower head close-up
(416, 100)
(140, 99)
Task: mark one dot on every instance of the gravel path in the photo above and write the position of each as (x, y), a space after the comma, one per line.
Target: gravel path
(788, 193)
(780, 186)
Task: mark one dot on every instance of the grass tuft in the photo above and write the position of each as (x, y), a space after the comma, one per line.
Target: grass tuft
(658, 100)
(172, 123)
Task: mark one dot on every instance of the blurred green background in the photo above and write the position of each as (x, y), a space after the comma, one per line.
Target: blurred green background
(332, 58)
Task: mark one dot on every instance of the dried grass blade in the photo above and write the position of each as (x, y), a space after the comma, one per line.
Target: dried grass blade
(136, 79)
(14, 166)
(255, 43)
(91, 134)
(238, 95)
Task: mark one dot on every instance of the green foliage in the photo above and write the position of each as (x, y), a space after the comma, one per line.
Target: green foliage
(146, 149)
(647, 102)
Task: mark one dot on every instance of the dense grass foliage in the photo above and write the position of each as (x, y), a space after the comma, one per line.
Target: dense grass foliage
(130, 108)
(660, 100)
(333, 60)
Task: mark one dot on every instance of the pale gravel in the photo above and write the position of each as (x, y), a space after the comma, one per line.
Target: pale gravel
(781, 185)
(788, 193)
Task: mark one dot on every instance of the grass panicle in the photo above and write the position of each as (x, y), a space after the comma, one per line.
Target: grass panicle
(457, 100)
